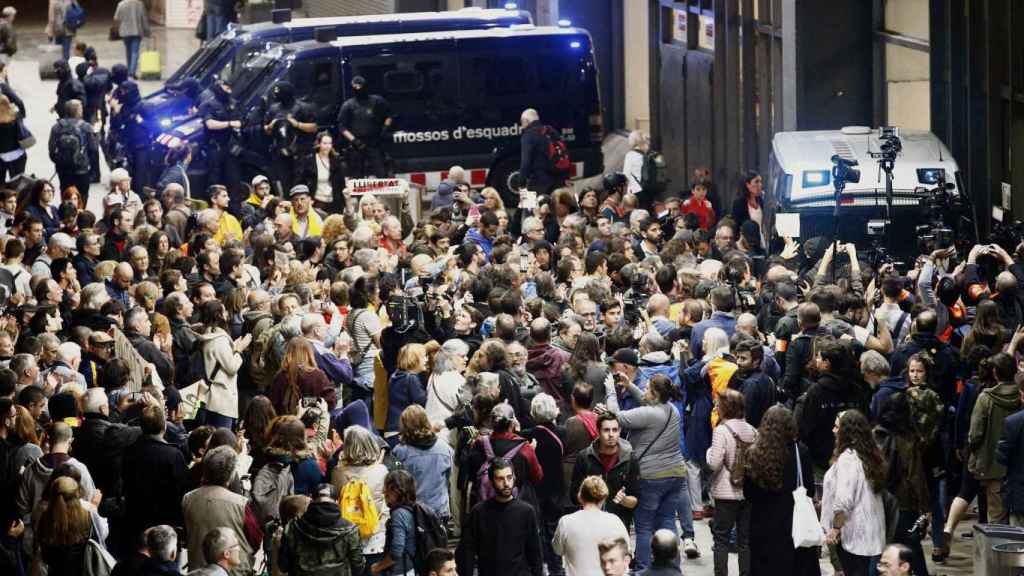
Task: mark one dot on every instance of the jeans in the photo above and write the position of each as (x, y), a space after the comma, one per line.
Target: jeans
(8, 170)
(684, 509)
(131, 53)
(854, 565)
(730, 514)
(937, 501)
(65, 46)
(553, 561)
(207, 418)
(215, 24)
(903, 536)
(656, 510)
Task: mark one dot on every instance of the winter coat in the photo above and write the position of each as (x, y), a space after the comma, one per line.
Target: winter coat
(722, 456)
(724, 320)
(697, 414)
(546, 363)
(131, 19)
(534, 164)
(816, 414)
(100, 445)
(155, 479)
(987, 421)
(320, 540)
(758, 391)
(528, 471)
(947, 363)
(624, 474)
(219, 353)
(404, 390)
(550, 448)
(1010, 453)
(430, 463)
(209, 507)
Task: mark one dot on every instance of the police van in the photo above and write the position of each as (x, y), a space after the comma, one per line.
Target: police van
(455, 96)
(801, 182)
(224, 56)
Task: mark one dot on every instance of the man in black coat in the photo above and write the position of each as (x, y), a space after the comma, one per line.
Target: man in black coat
(1010, 453)
(502, 535)
(833, 393)
(622, 479)
(534, 164)
(138, 329)
(155, 476)
(798, 353)
(757, 387)
(68, 88)
(947, 359)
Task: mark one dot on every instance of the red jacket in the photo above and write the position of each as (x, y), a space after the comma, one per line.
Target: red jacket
(704, 211)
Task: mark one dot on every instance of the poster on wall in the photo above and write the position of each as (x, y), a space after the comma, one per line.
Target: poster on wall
(679, 30)
(183, 13)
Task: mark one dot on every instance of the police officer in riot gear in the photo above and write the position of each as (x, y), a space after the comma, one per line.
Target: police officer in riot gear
(363, 122)
(128, 134)
(290, 125)
(219, 121)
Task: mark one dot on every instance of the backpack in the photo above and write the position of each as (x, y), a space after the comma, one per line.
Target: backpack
(558, 152)
(357, 507)
(926, 411)
(272, 483)
(8, 283)
(69, 150)
(264, 363)
(483, 480)
(74, 16)
(430, 534)
(197, 367)
(653, 173)
(738, 470)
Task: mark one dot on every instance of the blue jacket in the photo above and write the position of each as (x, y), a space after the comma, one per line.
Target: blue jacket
(723, 320)
(338, 370)
(964, 407)
(886, 389)
(430, 463)
(697, 417)
(401, 540)
(474, 236)
(404, 390)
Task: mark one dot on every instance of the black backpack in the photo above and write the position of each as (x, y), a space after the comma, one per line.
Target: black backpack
(69, 149)
(197, 367)
(653, 173)
(8, 283)
(430, 534)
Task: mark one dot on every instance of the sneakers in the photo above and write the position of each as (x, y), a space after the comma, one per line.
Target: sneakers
(690, 548)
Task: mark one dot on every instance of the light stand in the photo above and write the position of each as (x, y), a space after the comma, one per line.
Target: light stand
(891, 145)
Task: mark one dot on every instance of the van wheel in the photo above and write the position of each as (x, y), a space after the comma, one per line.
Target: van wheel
(499, 180)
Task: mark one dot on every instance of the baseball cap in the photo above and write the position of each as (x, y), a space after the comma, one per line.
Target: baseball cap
(259, 179)
(99, 337)
(626, 356)
(119, 175)
(298, 190)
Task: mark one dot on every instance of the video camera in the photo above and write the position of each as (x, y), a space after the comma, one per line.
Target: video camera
(1007, 234)
(636, 297)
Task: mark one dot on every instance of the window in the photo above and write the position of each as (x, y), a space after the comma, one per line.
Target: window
(428, 87)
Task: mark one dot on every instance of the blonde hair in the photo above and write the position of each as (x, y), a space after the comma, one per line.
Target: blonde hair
(64, 521)
(414, 424)
(593, 490)
(298, 359)
(360, 447)
(8, 111)
(411, 357)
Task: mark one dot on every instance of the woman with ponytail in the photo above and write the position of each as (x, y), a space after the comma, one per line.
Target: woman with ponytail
(299, 378)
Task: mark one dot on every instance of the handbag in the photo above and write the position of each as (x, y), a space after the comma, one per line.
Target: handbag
(115, 32)
(25, 138)
(97, 561)
(807, 531)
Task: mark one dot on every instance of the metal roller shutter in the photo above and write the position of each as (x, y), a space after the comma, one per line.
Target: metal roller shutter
(319, 8)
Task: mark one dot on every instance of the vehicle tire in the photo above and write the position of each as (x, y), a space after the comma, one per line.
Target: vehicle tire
(499, 177)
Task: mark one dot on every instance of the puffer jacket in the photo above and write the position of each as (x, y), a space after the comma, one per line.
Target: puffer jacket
(987, 421)
(321, 542)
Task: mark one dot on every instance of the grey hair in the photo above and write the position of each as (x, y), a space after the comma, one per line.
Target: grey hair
(134, 316)
(871, 362)
(638, 215)
(543, 408)
(531, 222)
(529, 115)
(94, 296)
(162, 542)
(218, 540)
(360, 447)
(443, 359)
(364, 257)
(207, 217)
(362, 236)
(717, 343)
(136, 250)
(68, 352)
(219, 465)
(22, 362)
(95, 400)
(311, 322)
(291, 327)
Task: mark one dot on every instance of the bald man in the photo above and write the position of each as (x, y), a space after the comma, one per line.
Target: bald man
(118, 286)
(534, 164)
(664, 555)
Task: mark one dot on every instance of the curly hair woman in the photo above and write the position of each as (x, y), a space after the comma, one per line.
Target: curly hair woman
(852, 513)
(776, 465)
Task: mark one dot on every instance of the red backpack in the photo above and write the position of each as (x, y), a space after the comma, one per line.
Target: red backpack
(558, 152)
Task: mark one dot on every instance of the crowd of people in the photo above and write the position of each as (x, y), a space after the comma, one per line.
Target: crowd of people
(302, 381)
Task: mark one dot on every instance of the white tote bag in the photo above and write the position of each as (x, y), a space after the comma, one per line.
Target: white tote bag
(807, 531)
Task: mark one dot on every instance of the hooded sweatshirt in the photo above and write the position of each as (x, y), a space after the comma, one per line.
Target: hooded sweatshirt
(545, 362)
(816, 415)
(885, 390)
(321, 541)
(987, 420)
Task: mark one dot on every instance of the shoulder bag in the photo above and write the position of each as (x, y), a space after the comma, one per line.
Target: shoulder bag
(807, 531)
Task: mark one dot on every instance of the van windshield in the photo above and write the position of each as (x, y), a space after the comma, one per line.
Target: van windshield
(253, 74)
(201, 64)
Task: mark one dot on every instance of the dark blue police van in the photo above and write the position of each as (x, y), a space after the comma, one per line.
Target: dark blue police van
(456, 98)
(224, 56)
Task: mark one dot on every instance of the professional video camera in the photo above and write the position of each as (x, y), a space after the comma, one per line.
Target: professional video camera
(950, 222)
(1009, 235)
(636, 297)
(879, 255)
(890, 144)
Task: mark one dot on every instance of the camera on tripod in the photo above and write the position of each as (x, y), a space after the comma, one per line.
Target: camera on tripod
(636, 297)
(878, 255)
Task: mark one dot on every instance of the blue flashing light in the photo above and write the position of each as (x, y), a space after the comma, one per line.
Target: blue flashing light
(816, 178)
(564, 23)
(574, 44)
(511, 6)
(165, 122)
